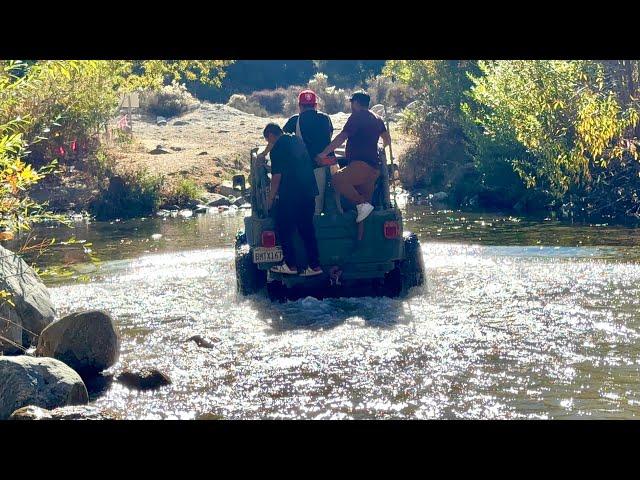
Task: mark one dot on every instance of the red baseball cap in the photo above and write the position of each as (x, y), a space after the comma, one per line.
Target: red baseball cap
(307, 97)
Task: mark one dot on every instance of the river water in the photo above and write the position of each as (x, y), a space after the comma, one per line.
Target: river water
(519, 319)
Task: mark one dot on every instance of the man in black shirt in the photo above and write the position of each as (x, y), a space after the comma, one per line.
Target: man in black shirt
(293, 183)
(315, 129)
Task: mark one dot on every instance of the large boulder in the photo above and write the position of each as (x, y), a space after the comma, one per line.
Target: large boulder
(42, 382)
(218, 200)
(145, 379)
(32, 309)
(73, 412)
(86, 341)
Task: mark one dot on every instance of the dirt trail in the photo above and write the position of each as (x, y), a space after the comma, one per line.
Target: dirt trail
(208, 145)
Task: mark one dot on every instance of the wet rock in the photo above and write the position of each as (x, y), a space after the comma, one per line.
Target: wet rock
(203, 341)
(218, 200)
(201, 209)
(239, 202)
(145, 379)
(32, 309)
(180, 123)
(31, 412)
(203, 153)
(42, 382)
(226, 191)
(161, 120)
(86, 341)
(176, 149)
(79, 412)
(159, 150)
(211, 187)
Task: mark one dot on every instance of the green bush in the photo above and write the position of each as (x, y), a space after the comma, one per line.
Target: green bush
(100, 164)
(383, 90)
(129, 195)
(184, 192)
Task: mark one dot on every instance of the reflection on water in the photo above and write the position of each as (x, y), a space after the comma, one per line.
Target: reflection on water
(518, 320)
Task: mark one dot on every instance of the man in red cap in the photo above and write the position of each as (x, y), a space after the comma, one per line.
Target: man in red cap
(315, 129)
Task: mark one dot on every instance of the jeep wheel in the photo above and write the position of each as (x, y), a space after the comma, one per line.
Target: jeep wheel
(412, 267)
(249, 279)
(408, 272)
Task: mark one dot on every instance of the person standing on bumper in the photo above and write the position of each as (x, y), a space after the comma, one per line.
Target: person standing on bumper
(362, 131)
(315, 129)
(293, 184)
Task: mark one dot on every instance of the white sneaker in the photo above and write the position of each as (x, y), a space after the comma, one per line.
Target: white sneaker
(309, 272)
(284, 268)
(364, 209)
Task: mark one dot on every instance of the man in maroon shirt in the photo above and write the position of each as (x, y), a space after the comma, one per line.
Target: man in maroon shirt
(357, 180)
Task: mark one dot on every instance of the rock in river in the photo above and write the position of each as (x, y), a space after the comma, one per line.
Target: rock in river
(146, 379)
(202, 341)
(218, 200)
(32, 309)
(86, 341)
(42, 382)
(77, 412)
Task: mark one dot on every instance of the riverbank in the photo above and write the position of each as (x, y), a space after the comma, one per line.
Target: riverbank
(202, 149)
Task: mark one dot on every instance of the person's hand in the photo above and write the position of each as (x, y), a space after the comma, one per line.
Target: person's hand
(319, 158)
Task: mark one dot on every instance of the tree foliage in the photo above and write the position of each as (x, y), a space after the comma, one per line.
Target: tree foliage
(51, 109)
(562, 114)
(566, 129)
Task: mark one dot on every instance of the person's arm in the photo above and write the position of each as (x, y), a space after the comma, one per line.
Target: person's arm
(336, 143)
(348, 130)
(386, 138)
(273, 190)
(262, 156)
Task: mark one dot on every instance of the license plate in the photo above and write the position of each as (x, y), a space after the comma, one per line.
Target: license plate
(263, 254)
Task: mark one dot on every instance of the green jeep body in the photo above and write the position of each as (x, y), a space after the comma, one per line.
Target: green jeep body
(357, 259)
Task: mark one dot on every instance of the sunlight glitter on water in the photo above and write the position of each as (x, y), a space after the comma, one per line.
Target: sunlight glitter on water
(499, 332)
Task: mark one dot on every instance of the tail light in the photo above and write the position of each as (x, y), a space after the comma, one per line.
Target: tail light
(391, 230)
(268, 239)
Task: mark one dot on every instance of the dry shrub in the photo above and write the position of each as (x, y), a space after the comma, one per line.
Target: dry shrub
(330, 99)
(169, 101)
(392, 94)
(270, 100)
(242, 103)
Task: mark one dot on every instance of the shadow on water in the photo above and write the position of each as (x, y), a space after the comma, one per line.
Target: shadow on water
(310, 313)
(97, 385)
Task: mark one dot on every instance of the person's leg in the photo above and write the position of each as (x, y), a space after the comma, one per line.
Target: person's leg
(321, 181)
(285, 226)
(367, 188)
(308, 232)
(345, 179)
